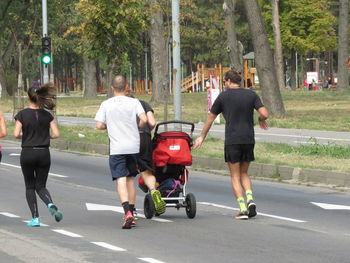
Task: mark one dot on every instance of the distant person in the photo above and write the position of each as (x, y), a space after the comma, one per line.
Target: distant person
(3, 130)
(329, 83)
(145, 158)
(118, 115)
(33, 125)
(313, 84)
(237, 106)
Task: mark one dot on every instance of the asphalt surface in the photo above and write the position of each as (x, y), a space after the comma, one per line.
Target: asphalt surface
(289, 227)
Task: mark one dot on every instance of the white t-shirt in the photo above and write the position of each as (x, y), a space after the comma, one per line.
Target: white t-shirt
(119, 114)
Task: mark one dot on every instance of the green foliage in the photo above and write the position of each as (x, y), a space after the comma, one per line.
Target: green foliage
(203, 32)
(306, 26)
(111, 28)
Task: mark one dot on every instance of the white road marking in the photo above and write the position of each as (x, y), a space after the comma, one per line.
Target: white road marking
(118, 209)
(259, 213)
(108, 246)
(9, 215)
(304, 142)
(67, 233)
(19, 167)
(331, 206)
(15, 154)
(286, 135)
(11, 148)
(41, 224)
(302, 136)
(151, 260)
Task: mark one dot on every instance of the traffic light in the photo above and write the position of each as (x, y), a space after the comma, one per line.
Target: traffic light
(46, 50)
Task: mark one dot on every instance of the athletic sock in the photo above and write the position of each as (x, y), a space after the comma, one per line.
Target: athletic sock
(126, 207)
(241, 204)
(132, 206)
(249, 195)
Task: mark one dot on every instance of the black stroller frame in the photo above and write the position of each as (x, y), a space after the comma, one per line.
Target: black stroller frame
(174, 198)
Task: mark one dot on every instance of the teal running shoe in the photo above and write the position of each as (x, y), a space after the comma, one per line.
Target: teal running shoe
(34, 222)
(57, 214)
(159, 203)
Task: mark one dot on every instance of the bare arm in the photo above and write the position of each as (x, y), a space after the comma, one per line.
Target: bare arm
(101, 126)
(143, 120)
(151, 121)
(205, 130)
(17, 132)
(3, 130)
(55, 133)
(263, 116)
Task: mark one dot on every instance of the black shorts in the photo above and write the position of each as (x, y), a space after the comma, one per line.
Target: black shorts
(239, 153)
(123, 165)
(145, 157)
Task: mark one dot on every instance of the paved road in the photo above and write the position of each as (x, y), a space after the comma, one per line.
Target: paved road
(273, 135)
(288, 228)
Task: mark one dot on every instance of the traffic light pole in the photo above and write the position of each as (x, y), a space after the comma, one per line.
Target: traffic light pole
(175, 6)
(45, 67)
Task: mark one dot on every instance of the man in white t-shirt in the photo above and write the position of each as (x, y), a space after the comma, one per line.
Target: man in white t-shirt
(118, 115)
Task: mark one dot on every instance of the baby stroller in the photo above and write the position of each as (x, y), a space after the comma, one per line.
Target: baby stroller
(171, 154)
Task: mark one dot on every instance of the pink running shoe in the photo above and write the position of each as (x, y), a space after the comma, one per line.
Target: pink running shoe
(127, 220)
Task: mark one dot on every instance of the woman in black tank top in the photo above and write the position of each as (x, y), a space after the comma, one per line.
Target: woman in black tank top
(33, 125)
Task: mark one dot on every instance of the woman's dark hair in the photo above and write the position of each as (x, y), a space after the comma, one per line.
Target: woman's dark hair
(234, 76)
(43, 96)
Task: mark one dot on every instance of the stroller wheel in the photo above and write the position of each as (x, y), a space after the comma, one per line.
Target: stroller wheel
(148, 206)
(191, 205)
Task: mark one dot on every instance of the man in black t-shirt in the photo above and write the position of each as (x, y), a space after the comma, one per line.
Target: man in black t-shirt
(237, 106)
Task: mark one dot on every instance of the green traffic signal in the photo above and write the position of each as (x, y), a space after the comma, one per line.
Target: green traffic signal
(46, 59)
(46, 50)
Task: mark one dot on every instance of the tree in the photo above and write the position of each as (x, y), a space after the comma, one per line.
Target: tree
(264, 60)
(110, 29)
(159, 54)
(234, 47)
(343, 47)
(306, 27)
(278, 44)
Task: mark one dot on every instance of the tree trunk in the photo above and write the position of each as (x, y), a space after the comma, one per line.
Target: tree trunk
(159, 56)
(278, 44)
(233, 48)
(3, 90)
(90, 78)
(265, 65)
(292, 66)
(343, 53)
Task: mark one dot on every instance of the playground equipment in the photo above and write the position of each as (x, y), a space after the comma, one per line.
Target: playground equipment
(212, 77)
(198, 81)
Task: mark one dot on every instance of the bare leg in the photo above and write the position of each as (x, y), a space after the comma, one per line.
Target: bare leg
(149, 179)
(131, 189)
(236, 179)
(245, 180)
(122, 189)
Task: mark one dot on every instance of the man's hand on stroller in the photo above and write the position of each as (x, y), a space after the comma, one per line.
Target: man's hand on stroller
(197, 143)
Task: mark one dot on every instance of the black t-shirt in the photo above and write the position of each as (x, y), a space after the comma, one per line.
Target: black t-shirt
(147, 108)
(237, 106)
(35, 127)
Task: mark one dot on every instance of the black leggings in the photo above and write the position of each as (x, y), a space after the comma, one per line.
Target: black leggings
(35, 164)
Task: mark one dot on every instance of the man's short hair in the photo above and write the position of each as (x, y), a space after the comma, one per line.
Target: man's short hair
(233, 76)
(119, 83)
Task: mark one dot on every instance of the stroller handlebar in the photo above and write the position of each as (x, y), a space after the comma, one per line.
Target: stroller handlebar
(172, 122)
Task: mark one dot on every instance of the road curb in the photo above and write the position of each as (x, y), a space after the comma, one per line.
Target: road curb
(282, 173)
